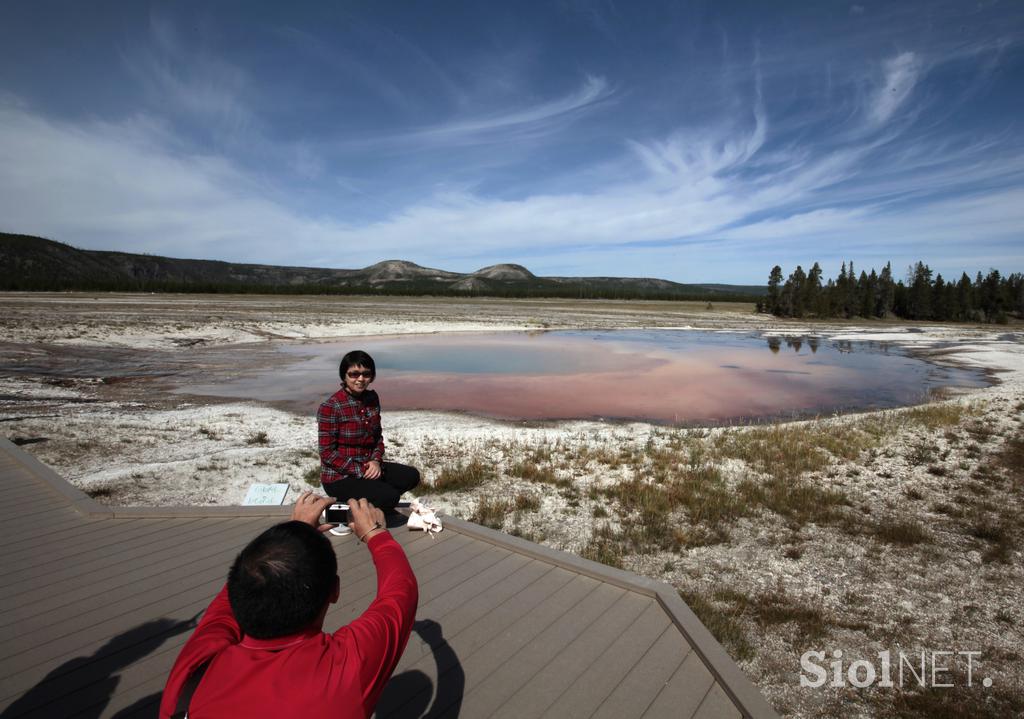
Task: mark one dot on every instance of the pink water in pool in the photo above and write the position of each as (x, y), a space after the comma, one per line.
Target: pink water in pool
(662, 376)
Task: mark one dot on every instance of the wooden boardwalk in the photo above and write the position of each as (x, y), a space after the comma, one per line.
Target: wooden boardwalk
(97, 601)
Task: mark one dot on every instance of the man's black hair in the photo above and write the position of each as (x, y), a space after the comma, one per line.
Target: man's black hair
(356, 358)
(279, 583)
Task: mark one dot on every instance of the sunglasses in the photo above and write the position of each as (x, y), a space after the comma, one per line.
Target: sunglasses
(354, 374)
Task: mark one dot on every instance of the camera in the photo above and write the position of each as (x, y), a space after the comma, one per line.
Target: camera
(337, 514)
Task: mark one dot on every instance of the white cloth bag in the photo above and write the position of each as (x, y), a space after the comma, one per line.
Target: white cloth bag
(423, 517)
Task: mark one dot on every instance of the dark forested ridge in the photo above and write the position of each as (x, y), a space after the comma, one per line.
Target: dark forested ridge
(988, 298)
(35, 263)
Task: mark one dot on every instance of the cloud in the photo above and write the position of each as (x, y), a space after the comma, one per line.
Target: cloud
(128, 186)
(509, 124)
(901, 75)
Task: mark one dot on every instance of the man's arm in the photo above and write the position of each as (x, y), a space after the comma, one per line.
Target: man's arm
(217, 630)
(378, 637)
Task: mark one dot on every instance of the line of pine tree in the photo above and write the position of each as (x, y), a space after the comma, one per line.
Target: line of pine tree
(992, 298)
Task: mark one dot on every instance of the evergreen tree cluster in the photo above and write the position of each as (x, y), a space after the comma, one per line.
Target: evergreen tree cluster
(990, 298)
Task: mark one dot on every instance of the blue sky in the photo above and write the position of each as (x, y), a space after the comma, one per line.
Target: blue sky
(696, 142)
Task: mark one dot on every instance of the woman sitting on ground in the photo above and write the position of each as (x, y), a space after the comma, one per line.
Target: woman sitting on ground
(351, 444)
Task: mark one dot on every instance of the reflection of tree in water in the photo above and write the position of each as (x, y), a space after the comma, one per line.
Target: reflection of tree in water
(408, 694)
(97, 674)
(813, 343)
(795, 342)
(773, 344)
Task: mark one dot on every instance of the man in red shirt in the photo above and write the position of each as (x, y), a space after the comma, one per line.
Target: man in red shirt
(261, 640)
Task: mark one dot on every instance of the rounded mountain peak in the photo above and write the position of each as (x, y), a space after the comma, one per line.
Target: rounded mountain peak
(505, 271)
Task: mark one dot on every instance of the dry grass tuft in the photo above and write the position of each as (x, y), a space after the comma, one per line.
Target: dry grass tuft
(312, 476)
(604, 547)
(902, 531)
(490, 513)
(525, 502)
(724, 624)
(464, 475)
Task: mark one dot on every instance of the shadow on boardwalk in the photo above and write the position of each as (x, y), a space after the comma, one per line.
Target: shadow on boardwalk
(408, 695)
(97, 675)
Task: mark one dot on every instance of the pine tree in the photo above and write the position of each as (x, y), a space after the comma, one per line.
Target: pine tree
(774, 280)
(796, 283)
(867, 290)
(886, 292)
(812, 290)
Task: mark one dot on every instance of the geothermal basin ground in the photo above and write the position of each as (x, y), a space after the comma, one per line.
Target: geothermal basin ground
(897, 530)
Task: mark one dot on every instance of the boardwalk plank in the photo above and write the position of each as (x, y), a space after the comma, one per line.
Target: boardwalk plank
(119, 577)
(515, 652)
(546, 599)
(717, 705)
(634, 693)
(138, 551)
(116, 574)
(683, 693)
(65, 543)
(541, 688)
(590, 689)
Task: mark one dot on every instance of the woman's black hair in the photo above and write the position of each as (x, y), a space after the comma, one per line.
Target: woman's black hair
(281, 580)
(356, 358)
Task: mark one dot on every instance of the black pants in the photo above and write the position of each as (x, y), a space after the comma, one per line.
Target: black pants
(383, 492)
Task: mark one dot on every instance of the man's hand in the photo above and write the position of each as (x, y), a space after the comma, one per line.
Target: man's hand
(308, 509)
(367, 520)
(371, 470)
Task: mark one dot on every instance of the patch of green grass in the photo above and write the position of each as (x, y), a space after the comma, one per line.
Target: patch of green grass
(937, 416)
(680, 506)
(533, 472)
(786, 451)
(797, 499)
(463, 475)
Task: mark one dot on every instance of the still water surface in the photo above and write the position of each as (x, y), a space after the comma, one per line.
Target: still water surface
(666, 376)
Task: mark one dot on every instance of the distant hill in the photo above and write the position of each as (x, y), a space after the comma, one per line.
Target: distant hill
(35, 263)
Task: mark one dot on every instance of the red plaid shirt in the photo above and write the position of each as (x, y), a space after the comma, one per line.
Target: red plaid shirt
(349, 434)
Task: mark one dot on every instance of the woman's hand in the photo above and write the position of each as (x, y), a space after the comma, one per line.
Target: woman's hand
(371, 470)
(367, 520)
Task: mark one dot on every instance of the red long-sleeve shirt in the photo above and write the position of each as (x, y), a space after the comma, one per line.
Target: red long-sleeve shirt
(309, 674)
(349, 434)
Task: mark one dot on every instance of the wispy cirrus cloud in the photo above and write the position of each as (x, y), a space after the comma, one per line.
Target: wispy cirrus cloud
(901, 74)
(510, 123)
(179, 80)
